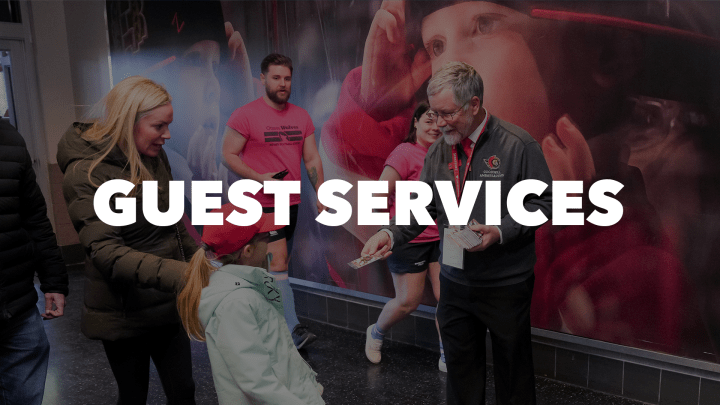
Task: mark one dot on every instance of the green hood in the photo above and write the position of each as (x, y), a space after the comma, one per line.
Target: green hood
(232, 277)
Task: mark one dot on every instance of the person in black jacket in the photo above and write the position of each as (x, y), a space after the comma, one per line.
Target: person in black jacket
(27, 246)
(487, 287)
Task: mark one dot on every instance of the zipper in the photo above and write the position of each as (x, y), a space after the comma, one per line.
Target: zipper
(177, 233)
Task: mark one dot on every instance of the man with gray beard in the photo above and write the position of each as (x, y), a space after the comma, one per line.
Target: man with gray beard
(488, 287)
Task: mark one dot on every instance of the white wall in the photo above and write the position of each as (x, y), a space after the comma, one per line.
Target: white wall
(88, 47)
(52, 64)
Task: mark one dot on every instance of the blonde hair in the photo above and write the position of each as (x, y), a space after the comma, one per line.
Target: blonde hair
(127, 102)
(197, 277)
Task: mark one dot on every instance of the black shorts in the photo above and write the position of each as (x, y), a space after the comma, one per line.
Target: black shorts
(413, 257)
(285, 232)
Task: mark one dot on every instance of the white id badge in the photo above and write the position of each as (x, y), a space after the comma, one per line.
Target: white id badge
(452, 255)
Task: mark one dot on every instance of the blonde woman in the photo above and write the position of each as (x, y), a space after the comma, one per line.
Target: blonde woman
(238, 309)
(132, 272)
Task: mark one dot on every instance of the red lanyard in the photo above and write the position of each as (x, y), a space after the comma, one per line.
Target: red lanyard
(456, 164)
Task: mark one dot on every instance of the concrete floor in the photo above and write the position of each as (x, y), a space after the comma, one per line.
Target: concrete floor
(79, 372)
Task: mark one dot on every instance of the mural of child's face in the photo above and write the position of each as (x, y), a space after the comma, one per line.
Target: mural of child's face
(198, 93)
(490, 38)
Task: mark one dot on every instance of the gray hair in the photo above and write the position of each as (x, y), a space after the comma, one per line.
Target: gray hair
(461, 78)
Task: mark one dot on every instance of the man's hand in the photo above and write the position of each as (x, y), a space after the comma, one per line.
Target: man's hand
(59, 301)
(567, 153)
(489, 234)
(268, 177)
(378, 245)
(390, 74)
(320, 206)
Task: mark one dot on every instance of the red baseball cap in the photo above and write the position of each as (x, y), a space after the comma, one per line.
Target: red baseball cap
(229, 238)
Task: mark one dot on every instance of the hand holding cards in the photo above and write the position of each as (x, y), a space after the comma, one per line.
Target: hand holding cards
(464, 237)
(457, 240)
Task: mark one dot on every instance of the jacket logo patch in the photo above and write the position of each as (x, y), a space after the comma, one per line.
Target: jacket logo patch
(272, 293)
(493, 162)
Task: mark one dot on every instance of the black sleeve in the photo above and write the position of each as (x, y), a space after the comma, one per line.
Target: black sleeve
(33, 212)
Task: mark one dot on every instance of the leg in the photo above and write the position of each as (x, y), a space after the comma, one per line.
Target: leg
(509, 324)
(130, 363)
(279, 270)
(408, 294)
(170, 351)
(463, 336)
(278, 248)
(24, 353)
(434, 276)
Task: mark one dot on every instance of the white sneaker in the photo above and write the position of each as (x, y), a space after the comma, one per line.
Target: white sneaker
(372, 346)
(442, 366)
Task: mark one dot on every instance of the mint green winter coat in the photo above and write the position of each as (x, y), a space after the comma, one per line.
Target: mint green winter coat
(253, 358)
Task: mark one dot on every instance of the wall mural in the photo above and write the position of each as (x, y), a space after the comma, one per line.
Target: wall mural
(634, 84)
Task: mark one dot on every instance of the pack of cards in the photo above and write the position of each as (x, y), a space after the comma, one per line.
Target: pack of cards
(362, 261)
(464, 237)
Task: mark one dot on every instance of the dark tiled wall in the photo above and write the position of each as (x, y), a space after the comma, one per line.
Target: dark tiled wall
(650, 384)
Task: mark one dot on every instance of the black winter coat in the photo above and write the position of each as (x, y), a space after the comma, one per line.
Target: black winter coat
(27, 240)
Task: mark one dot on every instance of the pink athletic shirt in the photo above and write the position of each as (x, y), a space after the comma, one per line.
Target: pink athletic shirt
(274, 141)
(408, 158)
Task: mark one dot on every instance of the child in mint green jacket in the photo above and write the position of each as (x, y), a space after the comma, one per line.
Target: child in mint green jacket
(237, 309)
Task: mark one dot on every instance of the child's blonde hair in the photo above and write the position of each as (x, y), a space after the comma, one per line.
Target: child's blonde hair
(197, 277)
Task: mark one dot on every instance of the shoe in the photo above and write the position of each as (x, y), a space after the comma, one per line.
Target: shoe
(372, 346)
(302, 337)
(442, 366)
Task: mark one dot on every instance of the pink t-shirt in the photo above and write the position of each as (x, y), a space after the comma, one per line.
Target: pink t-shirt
(408, 158)
(274, 141)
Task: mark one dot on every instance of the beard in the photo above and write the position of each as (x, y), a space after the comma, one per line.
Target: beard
(275, 98)
(451, 139)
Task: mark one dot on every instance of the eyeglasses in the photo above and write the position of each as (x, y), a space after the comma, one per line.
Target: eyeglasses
(433, 115)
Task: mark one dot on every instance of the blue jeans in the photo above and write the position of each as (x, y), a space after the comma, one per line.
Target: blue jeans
(24, 353)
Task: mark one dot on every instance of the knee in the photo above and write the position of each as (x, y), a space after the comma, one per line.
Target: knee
(408, 304)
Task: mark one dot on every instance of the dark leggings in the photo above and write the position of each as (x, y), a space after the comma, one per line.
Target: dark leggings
(169, 348)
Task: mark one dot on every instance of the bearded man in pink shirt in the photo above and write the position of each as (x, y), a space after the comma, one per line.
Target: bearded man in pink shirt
(265, 140)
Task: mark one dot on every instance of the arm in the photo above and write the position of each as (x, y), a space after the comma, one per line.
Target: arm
(382, 242)
(313, 165)
(406, 233)
(246, 357)
(392, 176)
(51, 271)
(105, 246)
(533, 167)
(233, 145)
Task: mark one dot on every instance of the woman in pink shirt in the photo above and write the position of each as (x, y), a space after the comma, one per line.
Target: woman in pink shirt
(409, 263)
